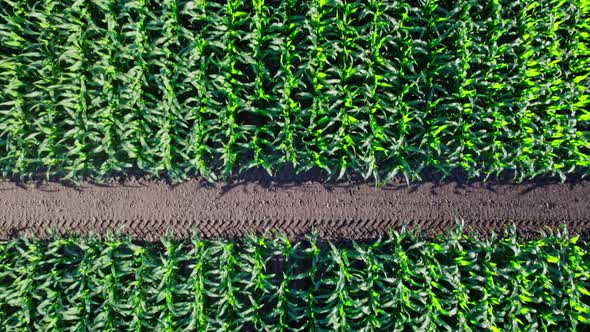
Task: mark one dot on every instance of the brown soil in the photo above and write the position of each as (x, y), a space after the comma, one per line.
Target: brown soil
(148, 209)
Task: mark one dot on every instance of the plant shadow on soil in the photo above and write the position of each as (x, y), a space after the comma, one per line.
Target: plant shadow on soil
(287, 177)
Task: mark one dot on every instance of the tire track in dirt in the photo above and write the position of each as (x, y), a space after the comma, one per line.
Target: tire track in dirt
(148, 209)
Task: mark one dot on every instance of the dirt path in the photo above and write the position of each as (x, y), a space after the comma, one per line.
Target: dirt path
(147, 209)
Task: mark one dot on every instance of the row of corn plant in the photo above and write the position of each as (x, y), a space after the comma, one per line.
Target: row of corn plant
(400, 282)
(380, 88)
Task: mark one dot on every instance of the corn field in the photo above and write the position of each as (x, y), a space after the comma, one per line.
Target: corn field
(399, 283)
(378, 88)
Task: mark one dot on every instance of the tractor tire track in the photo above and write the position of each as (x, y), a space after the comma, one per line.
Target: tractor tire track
(149, 210)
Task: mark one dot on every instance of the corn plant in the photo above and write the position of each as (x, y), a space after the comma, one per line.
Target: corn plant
(402, 281)
(382, 89)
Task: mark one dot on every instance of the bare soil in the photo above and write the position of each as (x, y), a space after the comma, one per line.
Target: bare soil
(148, 209)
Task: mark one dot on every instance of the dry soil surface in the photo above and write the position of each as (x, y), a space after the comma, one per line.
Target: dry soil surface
(149, 209)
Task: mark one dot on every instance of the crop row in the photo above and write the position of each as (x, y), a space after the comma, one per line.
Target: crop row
(381, 88)
(397, 283)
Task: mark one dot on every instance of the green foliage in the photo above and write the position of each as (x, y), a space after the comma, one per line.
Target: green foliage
(373, 87)
(398, 283)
